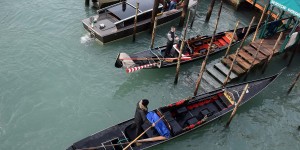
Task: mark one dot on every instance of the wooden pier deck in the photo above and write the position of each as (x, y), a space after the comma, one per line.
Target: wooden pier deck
(217, 71)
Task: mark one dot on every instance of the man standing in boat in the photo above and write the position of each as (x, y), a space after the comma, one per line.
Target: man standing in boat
(171, 37)
(140, 116)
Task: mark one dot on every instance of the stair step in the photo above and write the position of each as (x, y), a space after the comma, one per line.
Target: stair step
(216, 74)
(206, 86)
(263, 49)
(241, 62)
(213, 82)
(237, 69)
(248, 57)
(252, 52)
(225, 70)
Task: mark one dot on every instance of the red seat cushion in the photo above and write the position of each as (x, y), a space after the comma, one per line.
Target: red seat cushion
(222, 42)
(225, 38)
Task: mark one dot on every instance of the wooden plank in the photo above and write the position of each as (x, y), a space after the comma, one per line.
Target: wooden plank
(241, 62)
(225, 70)
(248, 57)
(211, 80)
(216, 74)
(236, 69)
(252, 52)
(263, 49)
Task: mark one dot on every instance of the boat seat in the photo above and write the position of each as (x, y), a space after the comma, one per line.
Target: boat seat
(207, 112)
(182, 110)
(219, 105)
(222, 42)
(183, 118)
(197, 113)
(175, 127)
(226, 39)
(191, 121)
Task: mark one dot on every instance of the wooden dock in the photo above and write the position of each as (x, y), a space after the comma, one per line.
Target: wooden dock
(217, 71)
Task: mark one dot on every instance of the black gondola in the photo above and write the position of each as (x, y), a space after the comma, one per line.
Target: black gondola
(180, 117)
(195, 48)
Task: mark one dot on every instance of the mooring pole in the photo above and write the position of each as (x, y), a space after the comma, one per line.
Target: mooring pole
(135, 21)
(273, 51)
(87, 2)
(249, 27)
(237, 105)
(232, 38)
(194, 15)
(259, 23)
(210, 9)
(153, 33)
(154, 13)
(231, 67)
(254, 58)
(184, 11)
(208, 52)
(293, 84)
(181, 49)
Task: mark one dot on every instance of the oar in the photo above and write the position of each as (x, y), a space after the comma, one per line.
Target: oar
(182, 58)
(142, 134)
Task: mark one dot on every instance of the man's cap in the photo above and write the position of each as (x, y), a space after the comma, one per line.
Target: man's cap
(145, 102)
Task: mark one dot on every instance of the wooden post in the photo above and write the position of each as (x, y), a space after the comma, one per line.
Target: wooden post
(196, 8)
(184, 11)
(260, 20)
(249, 27)
(237, 105)
(208, 52)
(254, 58)
(180, 51)
(273, 51)
(153, 33)
(210, 9)
(236, 26)
(154, 13)
(135, 21)
(231, 67)
(293, 84)
(87, 2)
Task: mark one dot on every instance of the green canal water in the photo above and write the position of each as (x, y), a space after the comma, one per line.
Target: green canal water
(58, 86)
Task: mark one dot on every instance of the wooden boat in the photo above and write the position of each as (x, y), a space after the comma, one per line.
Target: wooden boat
(195, 48)
(117, 21)
(179, 118)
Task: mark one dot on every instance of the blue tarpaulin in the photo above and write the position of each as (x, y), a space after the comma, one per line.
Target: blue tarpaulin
(160, 125)
(291, 6)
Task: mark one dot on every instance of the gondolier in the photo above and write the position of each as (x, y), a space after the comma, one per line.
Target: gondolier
(140, 116)
(171, 37)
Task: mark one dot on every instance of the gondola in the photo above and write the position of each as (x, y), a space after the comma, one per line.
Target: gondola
(117, 21)
(195, 48)
(178, 118)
